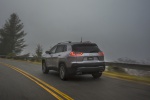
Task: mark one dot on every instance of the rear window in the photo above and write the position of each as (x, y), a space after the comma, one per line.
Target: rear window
(85, 48)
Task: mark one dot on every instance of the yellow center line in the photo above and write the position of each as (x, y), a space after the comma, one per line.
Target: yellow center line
(41, 83)
(55, 95)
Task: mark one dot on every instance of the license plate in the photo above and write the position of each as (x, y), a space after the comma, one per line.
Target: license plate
(90, 58)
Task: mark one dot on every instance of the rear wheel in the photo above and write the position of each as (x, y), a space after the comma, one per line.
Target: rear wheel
(62, 72)
(96, 75)
(44, 68)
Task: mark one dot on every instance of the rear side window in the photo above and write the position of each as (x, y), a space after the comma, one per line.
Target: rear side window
(65, 48)
(61, 48)
(85, 48)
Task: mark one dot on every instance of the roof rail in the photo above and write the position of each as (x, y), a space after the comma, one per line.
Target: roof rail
(64, 42)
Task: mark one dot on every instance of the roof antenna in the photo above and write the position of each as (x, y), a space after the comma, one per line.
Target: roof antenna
(81, 39)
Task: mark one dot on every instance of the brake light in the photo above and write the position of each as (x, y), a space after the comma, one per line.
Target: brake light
(101, 53)
(75, 53)
(72, 53)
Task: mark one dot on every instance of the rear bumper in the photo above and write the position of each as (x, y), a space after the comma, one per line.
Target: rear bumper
(87, 68)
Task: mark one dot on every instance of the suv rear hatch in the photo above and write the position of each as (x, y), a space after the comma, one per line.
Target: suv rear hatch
(87, 52)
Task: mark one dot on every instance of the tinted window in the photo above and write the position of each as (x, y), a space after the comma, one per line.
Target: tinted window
(53, 49)
(60, 48)
(65, 48)
(86, 48)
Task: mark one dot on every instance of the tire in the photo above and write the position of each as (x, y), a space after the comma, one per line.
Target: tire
(96, 75)
(62, 72)
(44, 68)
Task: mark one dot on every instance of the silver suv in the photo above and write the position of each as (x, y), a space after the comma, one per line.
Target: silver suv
(74, 58)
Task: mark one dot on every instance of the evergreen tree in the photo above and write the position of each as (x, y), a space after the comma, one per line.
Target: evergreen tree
(12, 36)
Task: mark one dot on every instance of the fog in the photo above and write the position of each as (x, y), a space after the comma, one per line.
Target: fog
(121, 28)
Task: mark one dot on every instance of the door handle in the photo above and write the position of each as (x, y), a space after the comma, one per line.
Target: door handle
(59, 55)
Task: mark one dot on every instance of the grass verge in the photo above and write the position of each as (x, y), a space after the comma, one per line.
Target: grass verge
(140, 79)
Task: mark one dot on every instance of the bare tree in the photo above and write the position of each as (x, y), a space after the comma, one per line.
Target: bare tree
(38, 52)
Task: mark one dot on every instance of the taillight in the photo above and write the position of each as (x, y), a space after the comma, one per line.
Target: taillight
(101, 53)
(72, 53)
(75, 53)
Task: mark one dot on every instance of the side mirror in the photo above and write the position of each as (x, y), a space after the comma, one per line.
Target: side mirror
(47, 52)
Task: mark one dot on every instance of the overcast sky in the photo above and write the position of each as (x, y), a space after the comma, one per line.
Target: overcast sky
(121, 28)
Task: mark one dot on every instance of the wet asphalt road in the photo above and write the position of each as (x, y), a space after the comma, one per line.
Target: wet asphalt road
(15, 86)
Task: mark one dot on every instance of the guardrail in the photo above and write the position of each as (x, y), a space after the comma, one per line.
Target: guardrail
(130, 66)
